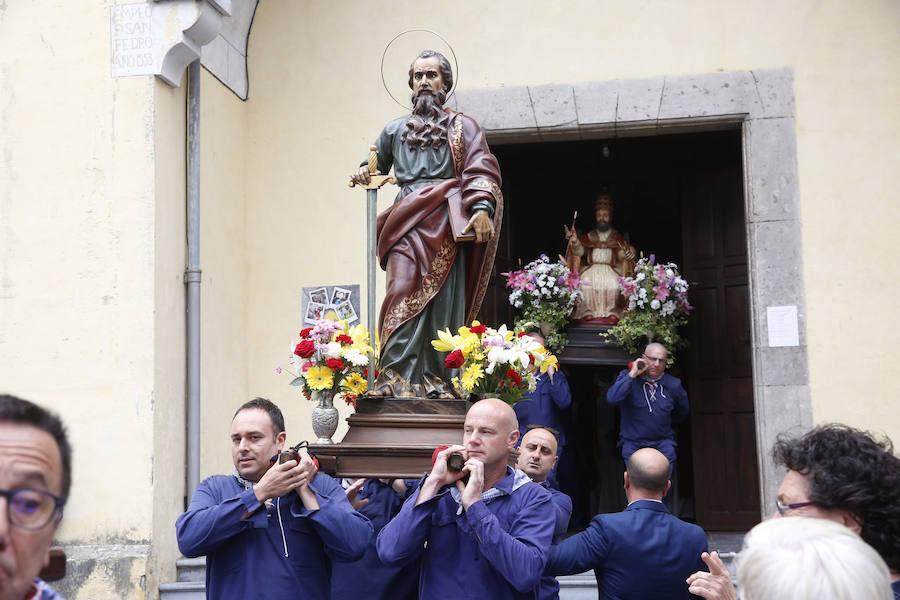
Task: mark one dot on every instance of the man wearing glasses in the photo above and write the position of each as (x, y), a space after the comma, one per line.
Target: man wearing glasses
(35, 476)
(651, 401)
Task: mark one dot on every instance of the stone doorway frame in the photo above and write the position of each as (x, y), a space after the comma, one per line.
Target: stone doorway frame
(761, 104)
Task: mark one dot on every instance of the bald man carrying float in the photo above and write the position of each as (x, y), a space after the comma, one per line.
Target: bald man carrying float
(488, 537)
(537, 457)
(641, 553)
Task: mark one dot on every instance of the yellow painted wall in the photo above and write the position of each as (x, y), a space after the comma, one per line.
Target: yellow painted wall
(91, 300)
(225, 265)
(316, 102)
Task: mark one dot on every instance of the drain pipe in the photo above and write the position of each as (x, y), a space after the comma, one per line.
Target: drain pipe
(192, 280)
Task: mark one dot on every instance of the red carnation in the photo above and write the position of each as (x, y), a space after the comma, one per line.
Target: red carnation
(510, 373)
(522, 334)
(334, 363)
(366, 373)
(454, 360)
(305, 348)
(344, 339)
(305, 333)
(478, 329)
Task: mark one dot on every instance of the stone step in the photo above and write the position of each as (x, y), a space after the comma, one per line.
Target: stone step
(191, 569)
(582, 586)
(183, 590)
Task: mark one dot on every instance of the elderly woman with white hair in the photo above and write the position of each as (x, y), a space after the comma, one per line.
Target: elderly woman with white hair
(809, 559)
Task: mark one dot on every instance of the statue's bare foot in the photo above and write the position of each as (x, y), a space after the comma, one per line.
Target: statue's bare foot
(377, 393)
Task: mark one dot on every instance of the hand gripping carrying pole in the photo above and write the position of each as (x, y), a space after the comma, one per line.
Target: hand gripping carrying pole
(372, 259)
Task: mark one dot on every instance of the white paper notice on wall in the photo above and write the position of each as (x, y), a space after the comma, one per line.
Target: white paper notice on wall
(783, 327)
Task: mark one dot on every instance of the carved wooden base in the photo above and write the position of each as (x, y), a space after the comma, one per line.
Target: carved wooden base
(586, 347)
(393, 437)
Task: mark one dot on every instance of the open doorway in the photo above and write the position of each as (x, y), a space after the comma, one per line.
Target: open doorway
(679, 197)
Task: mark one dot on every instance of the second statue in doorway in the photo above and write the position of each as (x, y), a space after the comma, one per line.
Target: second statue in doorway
(601, 256)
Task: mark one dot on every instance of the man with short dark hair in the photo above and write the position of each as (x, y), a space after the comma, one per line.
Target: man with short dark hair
(35, 478)
(537, 457)
(642, 552)
(484, 538)
(651, 402)
(269, 532)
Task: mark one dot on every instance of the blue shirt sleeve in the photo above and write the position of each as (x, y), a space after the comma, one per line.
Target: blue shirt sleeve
(559, 390)
(345, 533)
(682, 407)
(211, 520)
(563, 505)
(403, 538)
(620, 390)
(582, 551)
(519, 554)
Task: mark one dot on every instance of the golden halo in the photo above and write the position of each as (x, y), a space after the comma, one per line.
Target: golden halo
(384, 80)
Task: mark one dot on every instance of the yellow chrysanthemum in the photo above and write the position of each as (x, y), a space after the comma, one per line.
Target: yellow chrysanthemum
(320, 378)
(355, 383)
(471, 376)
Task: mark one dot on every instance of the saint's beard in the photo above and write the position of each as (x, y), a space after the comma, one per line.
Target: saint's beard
(603, 226)
(427, 124)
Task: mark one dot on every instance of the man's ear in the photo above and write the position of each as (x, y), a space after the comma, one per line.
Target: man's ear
(668, 486)
(513, 438)
(279, 440)
(627, 482)
(555, 460)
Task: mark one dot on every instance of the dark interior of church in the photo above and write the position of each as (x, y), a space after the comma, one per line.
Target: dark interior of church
(679, 197)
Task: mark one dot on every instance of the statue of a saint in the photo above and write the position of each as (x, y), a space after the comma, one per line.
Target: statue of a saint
(601, 256)
(441, 161)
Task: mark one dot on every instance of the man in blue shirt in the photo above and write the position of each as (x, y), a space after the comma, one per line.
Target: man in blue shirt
(537, 457)
(651, 401)
(269, 532)
(380, 501)
(541, 408)
(643, 552)
(484, 538)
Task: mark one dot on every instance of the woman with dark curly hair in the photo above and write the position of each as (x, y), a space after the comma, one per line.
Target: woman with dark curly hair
(846, 475)
(838, 473)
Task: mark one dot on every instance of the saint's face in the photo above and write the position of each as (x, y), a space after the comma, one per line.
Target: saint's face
(253, 442)
(537, 454)
(603, 218)
(29, 458)
(427, 74)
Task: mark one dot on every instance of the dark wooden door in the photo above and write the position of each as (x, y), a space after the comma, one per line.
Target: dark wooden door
(720, 384)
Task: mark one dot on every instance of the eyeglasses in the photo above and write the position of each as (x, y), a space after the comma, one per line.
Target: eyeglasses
(31, 509)
(782, 508)
(654, 359)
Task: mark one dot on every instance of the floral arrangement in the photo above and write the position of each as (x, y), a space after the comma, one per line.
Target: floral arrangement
(330, 357)
(494, 362)
(545, 293)
(657, 306)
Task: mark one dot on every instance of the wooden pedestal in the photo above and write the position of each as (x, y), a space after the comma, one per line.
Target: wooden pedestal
(393, 437)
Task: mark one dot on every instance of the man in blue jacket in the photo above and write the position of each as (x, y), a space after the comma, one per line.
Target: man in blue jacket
(641, 553)
(651, 402)
(486, 538)
(537, 457)
(269, 532)
(541, 408)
